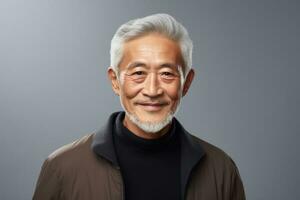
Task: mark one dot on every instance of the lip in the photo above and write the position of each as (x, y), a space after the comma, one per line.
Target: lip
(152, 106)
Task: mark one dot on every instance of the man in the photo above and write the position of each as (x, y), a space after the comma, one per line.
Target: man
(143, 153)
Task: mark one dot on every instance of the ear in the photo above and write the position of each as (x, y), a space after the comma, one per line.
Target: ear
(188, 82)
(114, 80)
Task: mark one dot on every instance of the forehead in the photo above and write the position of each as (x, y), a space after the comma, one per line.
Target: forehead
(151, 50)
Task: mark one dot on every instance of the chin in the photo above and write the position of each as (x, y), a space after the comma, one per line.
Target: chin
(150, 126)
(151, 117)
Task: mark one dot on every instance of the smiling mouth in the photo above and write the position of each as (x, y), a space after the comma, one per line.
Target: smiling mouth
(152, 106)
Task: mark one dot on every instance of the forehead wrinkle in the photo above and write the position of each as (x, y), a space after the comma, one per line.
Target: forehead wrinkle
(151, 55)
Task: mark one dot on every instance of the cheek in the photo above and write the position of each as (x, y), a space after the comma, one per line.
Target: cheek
(173, 91)
(130, 90)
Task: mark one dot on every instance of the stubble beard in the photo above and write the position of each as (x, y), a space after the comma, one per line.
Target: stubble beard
(151, 127)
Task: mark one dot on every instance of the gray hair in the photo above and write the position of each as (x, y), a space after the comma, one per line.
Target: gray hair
(157, 23)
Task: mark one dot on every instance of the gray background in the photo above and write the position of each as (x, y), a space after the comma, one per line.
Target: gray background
(244, 99)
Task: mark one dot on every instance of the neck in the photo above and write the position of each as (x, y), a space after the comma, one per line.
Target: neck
(141, 133)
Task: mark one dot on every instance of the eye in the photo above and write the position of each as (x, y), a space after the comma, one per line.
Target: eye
(138, 73)
(167, 74)
(138, 76)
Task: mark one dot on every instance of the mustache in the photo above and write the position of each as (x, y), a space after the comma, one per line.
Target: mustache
(152, 103)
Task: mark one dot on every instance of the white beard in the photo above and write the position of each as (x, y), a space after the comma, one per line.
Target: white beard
(151, 127)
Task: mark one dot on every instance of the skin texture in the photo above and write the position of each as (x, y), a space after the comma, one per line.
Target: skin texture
(149, 85)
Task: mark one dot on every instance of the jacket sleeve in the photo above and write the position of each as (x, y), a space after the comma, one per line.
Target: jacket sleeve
(237, 188)
(48, 183)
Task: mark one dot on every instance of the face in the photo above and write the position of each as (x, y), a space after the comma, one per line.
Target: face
(149, 84)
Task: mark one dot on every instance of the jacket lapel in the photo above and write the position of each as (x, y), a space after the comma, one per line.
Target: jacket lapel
(191, 154)
(103, 144)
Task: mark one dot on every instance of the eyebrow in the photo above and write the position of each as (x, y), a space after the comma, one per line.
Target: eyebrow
(169, 65)
(141, 64)
(136, 64)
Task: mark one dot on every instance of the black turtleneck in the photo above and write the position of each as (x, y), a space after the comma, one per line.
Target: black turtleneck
(150, 167)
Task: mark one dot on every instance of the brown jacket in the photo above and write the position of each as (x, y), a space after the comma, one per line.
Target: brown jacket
(87, 169)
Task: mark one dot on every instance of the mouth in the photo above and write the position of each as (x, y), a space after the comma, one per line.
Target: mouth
(152, 106)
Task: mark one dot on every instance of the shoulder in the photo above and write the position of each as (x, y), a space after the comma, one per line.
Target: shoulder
(216, 166)
(219, 169)
(216, 171)
(77, 146)
(215, 156)
(72, 154)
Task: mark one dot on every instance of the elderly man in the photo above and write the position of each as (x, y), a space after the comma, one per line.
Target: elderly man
(143, 153)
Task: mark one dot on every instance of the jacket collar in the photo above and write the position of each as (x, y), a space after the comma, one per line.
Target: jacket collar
(103, 144)
(191, 150)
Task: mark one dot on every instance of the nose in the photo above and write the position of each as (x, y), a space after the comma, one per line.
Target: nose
(152, 86)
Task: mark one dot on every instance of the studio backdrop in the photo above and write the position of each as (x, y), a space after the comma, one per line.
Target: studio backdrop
(244, 99)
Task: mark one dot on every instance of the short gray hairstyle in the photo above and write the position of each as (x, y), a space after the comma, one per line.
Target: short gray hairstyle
(158, 23)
